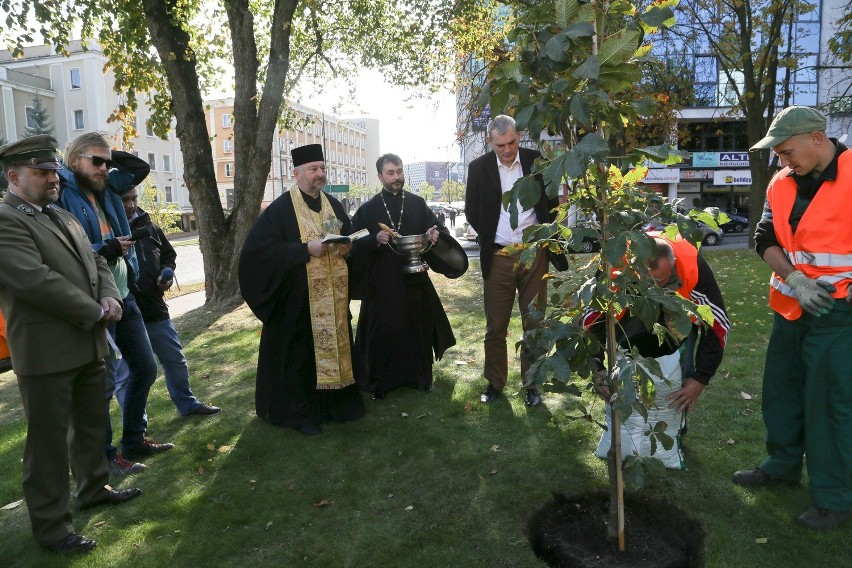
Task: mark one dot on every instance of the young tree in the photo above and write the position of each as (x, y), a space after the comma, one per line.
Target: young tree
(152, 201)
(452, 190)
(571, 69)
(41, 119)
(172, 51)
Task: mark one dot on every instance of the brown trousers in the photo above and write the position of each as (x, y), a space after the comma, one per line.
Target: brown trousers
(503, 281)
(66, 425)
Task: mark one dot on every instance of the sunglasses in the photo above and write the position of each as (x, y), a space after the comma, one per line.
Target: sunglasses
(97, 161)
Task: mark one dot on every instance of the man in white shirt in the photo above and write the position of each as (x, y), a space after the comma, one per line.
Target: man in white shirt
(489, 177)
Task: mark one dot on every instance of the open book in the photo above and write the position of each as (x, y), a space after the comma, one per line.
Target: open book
(330, 239)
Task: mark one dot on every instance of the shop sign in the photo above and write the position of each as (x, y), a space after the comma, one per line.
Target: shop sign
(662, 175)
(733, 160)
(705, 159)
(732, 177)
(696, 174)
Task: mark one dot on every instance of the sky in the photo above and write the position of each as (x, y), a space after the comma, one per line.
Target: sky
(415, 128)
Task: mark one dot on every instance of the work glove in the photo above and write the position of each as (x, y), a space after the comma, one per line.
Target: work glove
(814, 296)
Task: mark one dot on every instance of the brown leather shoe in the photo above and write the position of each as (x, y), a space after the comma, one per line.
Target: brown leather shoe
(114, 497)
(73, 544)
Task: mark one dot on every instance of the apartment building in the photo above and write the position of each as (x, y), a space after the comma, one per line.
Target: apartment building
(350, 147)
(77, 92)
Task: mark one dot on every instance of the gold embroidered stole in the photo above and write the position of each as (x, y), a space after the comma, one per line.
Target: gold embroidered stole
(329, 299)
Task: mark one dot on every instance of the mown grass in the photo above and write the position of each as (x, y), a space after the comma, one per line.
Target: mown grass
(424, 479)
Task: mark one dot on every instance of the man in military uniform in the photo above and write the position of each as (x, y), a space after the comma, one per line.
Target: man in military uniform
(57, 296)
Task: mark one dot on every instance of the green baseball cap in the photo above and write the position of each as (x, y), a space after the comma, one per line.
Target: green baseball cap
(789, 122)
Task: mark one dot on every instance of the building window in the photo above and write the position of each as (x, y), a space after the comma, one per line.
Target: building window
(75, 78)
(152, 161)
(228, 146)
(167, 164)
(31, 120)
(226, 121)
(149, 130)
(169, 196)
(78, 120)
(229, 170)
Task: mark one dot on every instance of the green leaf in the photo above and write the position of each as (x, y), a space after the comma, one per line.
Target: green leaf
(656, 17)
(619, 47)
(529, 191)
(576, 163)
(522, 117)
(556, 48)
(614, 249)
(580, 107)
(593, 145)
(665, 154)
(554, 176)
(590, 69)
(580, 29)
(646, 106)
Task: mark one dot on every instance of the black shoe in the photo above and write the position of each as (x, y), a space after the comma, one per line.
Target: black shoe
(756, 478)
(115, 497)
(309, 429)
(819, 519)
(489, 395)
(146, 448)
(205, 410)
(532, 398)
(378, 395)
(73, 544)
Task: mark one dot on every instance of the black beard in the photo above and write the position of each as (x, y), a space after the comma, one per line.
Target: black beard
(390, 189)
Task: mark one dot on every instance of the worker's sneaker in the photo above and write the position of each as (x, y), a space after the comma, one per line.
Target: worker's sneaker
(120, 466)
(819, 519)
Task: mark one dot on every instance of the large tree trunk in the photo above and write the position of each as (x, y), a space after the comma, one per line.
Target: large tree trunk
(221, 239)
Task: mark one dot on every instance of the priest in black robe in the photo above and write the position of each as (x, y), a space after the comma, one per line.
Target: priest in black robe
(402, 322)
(297, 285)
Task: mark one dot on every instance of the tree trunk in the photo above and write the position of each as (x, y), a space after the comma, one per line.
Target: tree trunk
(221, 239)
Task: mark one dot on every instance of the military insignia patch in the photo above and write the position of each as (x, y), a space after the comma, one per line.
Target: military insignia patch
(26, 209)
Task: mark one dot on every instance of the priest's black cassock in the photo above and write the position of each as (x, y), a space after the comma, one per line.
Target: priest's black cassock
(402, 321)
(273, 281)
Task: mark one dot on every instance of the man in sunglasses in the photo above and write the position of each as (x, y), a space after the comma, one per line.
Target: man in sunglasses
(91, 181)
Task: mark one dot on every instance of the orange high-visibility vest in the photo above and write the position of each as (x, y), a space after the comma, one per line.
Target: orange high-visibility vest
(822, 245)
(4, 349)
(686, 262)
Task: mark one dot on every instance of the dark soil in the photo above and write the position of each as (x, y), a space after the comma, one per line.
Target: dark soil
(571, 532)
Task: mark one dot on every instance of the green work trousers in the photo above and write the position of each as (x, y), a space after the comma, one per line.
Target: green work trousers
(807, 404)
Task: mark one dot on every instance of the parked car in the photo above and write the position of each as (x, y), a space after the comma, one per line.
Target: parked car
(710, 237)
(737, 224)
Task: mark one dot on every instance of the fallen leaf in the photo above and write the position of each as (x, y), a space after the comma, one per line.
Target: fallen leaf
(457, 362)
(730, 442)
(495, 448)
(211, 447)
(410, 508)
(200, 471)
(761, 540)
(468, 407)
(292, 487)
(745, 395)
(269, 525)
(726, 375)
(493, 471)
(405, 415)
(11, 506)
(390, 495)
(224, 449)
(323, 503)
(100, 523)
(424, 415)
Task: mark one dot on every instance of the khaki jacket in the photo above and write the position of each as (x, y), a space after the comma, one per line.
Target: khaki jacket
(50, 291)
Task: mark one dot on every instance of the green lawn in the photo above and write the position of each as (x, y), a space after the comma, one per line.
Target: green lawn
(425, 479)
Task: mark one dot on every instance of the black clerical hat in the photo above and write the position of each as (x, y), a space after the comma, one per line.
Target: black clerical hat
(34, 152)
(447, 257)
(307, 154)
